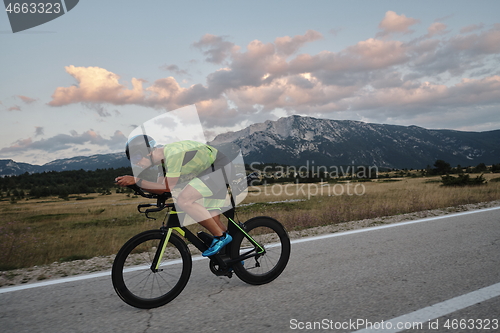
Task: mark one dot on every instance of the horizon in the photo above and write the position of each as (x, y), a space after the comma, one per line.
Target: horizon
(72, 89)
(123, 152)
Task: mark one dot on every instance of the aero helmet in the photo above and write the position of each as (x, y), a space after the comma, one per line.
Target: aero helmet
(138, 147)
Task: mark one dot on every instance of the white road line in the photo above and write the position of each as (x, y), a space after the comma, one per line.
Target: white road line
(301, 240)
(392, 225)
(51, 282)
(424, 316)
(80, 277)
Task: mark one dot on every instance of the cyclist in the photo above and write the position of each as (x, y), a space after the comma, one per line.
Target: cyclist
(185, 159)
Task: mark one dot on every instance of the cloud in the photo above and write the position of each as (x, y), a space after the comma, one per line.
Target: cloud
(64, 141)
(27, 100)
(14, 108)
(174, 69)
(487, 42)
(394, 23)
(289, 45)
(471, 28)
(216, 48)
(101, 111)
(39, 131)
(97, 85)
(430, 96)
(368, 76)
(334, 31)
(436, 28)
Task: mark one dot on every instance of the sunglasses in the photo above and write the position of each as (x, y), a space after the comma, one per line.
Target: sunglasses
(135, 158)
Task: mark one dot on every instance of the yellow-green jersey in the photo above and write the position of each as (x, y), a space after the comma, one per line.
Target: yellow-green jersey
(188, 157)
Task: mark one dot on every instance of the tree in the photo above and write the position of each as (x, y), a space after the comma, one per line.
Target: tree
(481, 167)
(63, 193)
(441, 167)
(35, 192)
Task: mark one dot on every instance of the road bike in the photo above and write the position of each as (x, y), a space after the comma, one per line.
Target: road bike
(153, 267)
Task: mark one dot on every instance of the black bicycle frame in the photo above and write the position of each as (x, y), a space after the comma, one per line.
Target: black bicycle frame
(234, 227)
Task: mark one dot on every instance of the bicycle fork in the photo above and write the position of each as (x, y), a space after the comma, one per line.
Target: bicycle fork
(155, 265)
(160, 251)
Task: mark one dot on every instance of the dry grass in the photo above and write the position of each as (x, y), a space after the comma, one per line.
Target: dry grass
(379, 198)
(36, 232)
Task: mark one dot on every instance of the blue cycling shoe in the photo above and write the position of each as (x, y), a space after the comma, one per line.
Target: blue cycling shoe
(217, 244)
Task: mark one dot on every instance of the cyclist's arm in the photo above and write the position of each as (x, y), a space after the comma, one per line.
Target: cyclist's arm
(152, 187)
(163, 185)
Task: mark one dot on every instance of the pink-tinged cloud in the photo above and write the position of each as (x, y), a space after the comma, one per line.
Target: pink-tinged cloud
(289, 45)
(371, 54)
(14, 108)
(27, 100)
(426, 95)
(487, 42)
(436, 28)
(97, 85)
(478, 91)
(373, 74)
(394, 23)
(374, 53)
(471, 28)
(262, 65)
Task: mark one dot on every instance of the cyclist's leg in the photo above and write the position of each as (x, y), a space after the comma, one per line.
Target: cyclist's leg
(186, 201)
(216, 216)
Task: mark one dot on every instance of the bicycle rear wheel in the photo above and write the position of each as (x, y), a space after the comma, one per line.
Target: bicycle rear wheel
(266, 267)
(134, 280)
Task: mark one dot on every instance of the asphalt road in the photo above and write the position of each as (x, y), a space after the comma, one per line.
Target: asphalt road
(370, 276)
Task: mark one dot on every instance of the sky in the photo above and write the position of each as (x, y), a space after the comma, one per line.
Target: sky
(80, 84)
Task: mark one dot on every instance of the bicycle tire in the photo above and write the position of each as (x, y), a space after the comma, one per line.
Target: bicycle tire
(273, 237)
(134, 281)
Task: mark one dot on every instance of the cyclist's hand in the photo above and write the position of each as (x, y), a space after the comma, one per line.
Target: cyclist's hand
(125, 180)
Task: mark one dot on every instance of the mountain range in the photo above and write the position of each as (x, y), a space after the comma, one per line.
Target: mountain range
(295, 140)
(100, 161)
(298, 141)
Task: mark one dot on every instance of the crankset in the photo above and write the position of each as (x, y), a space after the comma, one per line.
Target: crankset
(220, 270)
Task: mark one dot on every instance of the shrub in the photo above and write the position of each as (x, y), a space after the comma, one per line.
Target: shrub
(462, 180)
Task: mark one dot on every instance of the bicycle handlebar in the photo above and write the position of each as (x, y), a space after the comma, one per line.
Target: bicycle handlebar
(160, 200)
(139, 191)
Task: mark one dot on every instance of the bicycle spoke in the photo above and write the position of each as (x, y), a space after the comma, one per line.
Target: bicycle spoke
(261, 266)
(135, 281)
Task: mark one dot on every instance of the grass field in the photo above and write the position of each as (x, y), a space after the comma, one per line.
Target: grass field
(42, 231)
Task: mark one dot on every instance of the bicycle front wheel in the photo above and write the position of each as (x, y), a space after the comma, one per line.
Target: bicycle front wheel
(267, 266)
(139, 285)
